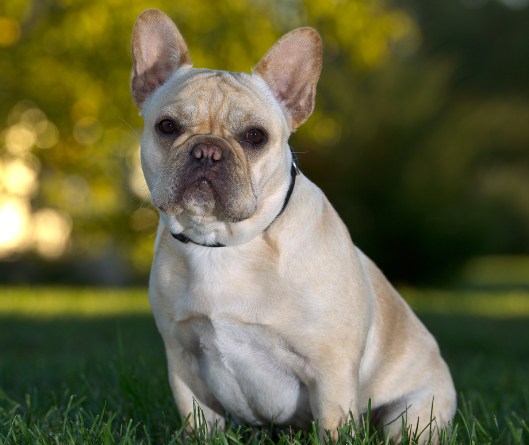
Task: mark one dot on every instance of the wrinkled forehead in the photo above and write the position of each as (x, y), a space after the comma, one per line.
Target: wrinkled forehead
(206, 98)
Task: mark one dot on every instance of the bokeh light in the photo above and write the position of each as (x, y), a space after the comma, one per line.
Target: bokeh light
(9, 31)
(14, 225)
(51, 230)
(23, 228)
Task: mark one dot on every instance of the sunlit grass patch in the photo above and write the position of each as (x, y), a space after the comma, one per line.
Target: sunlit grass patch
(53, 302)
(496, 270)
(64, 302)
(507, 304)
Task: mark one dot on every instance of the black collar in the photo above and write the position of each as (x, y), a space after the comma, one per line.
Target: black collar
(294, 171)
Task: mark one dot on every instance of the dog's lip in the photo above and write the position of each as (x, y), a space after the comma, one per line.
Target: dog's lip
(204, 181)
(202, 219)
(190, 220)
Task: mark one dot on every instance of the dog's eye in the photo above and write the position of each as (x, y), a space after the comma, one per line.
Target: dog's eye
(167, 126)
(254, 136)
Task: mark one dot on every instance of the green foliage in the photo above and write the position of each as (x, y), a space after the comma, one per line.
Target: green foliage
(419, 137)
(72, 133)
(432, 163)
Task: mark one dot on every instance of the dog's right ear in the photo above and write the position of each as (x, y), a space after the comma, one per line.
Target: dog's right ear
(158, 50)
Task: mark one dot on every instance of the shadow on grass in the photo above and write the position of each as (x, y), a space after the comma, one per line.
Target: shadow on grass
(116, 365)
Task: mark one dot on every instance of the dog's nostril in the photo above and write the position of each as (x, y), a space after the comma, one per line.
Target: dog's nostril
(208, 151)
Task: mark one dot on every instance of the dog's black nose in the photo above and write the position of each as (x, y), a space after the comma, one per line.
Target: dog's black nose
(209, 154)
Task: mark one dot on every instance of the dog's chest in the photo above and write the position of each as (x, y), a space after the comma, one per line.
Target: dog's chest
(222, 318)
(233, 283)
(243, 366)
(224, 313)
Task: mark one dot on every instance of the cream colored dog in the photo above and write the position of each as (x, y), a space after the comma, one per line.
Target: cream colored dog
(266, 307)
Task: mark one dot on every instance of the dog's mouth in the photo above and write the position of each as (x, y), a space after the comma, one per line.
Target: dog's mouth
(201, 194)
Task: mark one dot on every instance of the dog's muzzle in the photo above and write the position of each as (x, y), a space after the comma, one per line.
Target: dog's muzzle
(207, 151)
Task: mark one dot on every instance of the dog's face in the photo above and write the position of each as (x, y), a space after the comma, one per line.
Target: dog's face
(214, 148)
(212, 139)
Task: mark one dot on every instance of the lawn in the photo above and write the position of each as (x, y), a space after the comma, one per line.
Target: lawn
(88, 366)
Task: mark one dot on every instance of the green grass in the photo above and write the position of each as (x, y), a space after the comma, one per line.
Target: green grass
(97, 376)
(65, 302)
(509, 304)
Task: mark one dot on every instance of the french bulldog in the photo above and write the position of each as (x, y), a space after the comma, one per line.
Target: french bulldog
(267, 309)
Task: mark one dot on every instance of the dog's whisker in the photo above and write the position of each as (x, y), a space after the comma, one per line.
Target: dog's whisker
(130, 135)
(130, 126)
(149, 204)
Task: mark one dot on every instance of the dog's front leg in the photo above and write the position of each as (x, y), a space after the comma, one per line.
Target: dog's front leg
(188, 386)
(333, 397)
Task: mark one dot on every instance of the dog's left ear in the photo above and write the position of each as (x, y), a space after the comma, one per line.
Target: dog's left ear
(291, 69)
(158, 50)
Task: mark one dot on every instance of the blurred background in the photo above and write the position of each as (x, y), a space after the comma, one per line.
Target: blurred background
(420, 137)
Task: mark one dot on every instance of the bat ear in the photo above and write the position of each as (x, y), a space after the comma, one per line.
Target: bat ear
(291, 69)
(158, 51)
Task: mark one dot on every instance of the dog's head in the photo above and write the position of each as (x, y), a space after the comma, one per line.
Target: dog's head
(215, 144)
